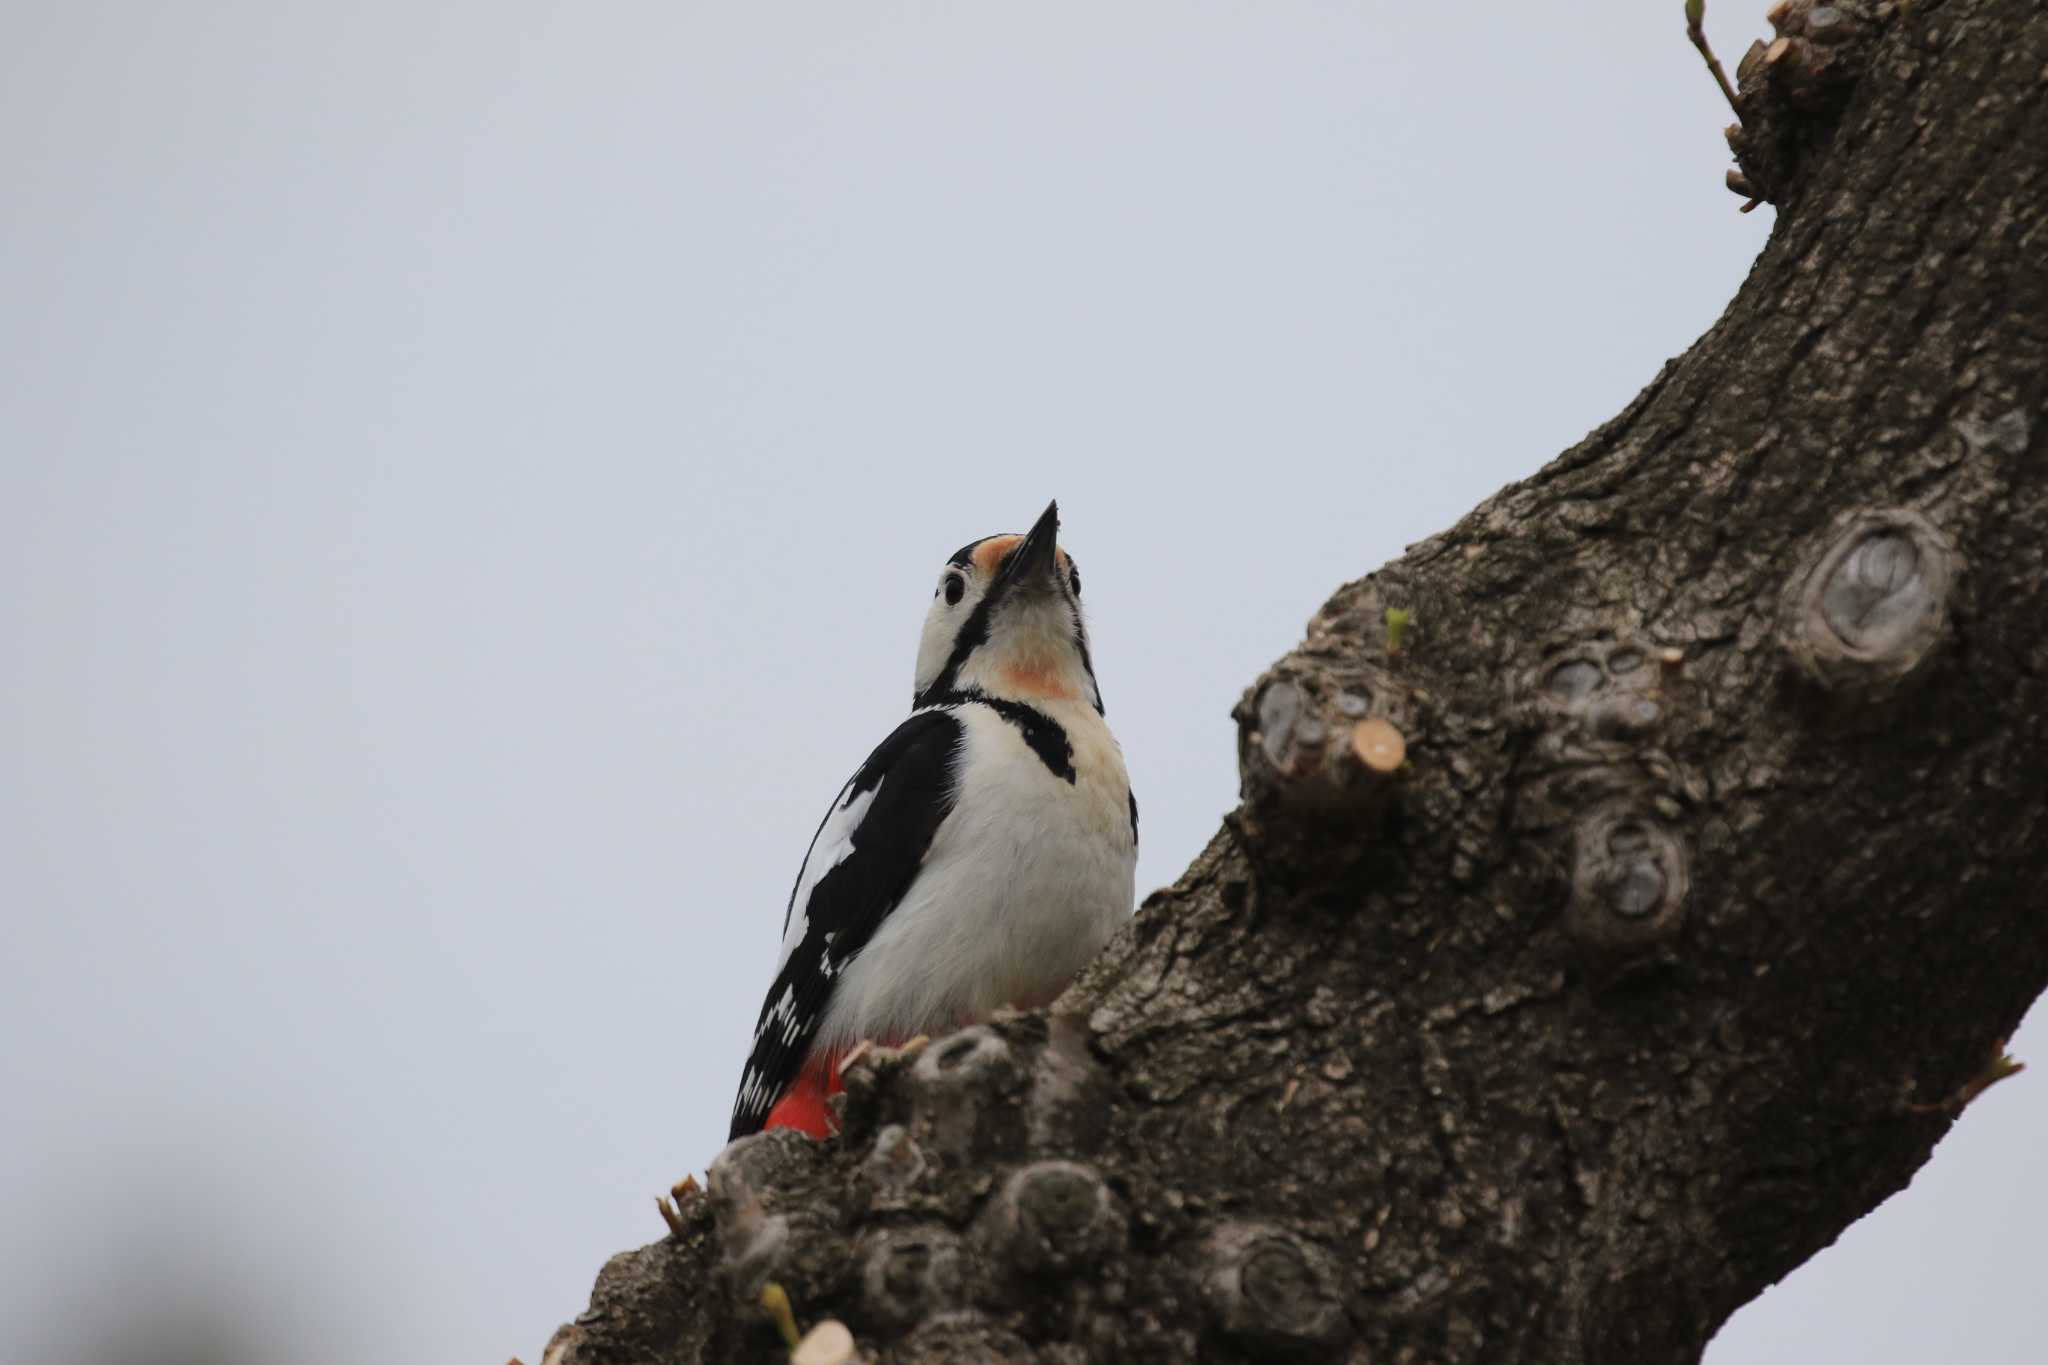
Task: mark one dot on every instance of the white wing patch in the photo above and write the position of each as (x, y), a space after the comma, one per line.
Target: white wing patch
(831, 848)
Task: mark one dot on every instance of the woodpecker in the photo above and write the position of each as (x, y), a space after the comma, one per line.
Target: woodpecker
(979, 857)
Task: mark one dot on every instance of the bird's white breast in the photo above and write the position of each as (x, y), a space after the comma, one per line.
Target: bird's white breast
(1025, 880)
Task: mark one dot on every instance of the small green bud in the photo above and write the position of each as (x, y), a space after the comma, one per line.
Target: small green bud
(1397, 626)
(1695, 11)
(775, 1302)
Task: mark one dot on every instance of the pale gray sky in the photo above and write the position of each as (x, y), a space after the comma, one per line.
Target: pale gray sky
(471, 477)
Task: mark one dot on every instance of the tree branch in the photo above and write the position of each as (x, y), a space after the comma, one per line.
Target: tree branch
(1715, 863)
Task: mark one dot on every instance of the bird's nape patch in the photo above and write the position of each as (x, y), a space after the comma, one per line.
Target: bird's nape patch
(963, 558)
(990, 553)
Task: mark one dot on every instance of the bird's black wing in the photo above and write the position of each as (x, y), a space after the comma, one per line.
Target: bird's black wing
(863, 858)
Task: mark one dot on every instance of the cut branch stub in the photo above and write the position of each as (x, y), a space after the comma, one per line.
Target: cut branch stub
(910, 1273)
(1054, 1218)
(829, 1343)
(1629, 882)
(1071, 1099)
(1596, 698)
(1814, 50)
(961, 1091)
(865, 1073)
(1597, 709)
(1798, 80)
(1378, 745)
(1862, 617)
(1273, 1292)
(1323, 749)
(892, 1169)
(755, 1241)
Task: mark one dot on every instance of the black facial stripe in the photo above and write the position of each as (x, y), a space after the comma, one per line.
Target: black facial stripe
(1134, 815)
(1046, 736)
(1087, 665)
(973, 635)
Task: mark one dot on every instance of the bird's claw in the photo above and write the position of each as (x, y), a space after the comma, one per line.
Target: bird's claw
(682, 1192)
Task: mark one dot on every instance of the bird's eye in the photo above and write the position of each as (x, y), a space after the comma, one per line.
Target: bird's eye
(955, 586)
(1074, 581)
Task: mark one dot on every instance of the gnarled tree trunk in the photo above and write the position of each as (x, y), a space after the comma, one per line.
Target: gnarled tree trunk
(1716, 863)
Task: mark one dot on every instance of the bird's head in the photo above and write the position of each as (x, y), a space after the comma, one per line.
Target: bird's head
(1005, 620)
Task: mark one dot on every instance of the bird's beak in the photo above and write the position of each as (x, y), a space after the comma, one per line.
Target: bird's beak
(1034, 564)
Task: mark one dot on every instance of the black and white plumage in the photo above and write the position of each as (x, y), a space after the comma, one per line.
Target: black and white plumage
(979, 857)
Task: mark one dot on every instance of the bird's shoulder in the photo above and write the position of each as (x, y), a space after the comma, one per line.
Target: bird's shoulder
(882, 819)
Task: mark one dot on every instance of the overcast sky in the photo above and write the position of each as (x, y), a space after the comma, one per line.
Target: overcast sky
(470, 478)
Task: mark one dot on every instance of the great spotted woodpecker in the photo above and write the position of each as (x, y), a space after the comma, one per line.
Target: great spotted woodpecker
(980, 856)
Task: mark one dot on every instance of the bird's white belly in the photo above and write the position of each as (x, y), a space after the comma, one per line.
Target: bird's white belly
(1025, 880)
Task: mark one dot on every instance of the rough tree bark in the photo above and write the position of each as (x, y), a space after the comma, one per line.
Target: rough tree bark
(1717, 860)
